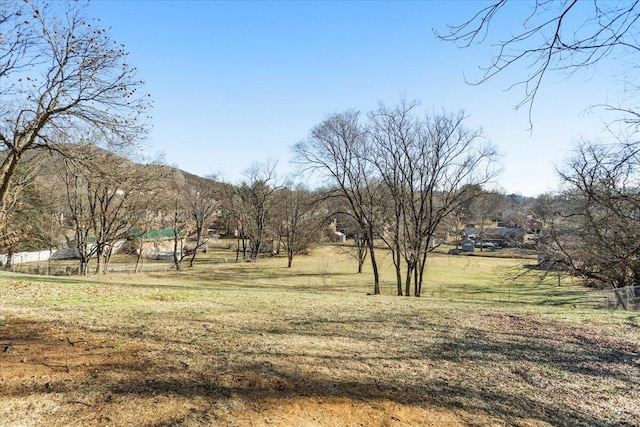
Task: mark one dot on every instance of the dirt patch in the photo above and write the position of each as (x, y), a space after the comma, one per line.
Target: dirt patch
(348, 412)
(59, 377)
(52, 375)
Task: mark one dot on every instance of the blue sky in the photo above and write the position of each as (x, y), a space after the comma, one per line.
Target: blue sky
(235, 83)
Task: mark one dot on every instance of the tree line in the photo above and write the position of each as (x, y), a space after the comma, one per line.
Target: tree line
(394, 175)
(90, 199)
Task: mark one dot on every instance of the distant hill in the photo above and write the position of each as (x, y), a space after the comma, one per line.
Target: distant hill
(51, 161)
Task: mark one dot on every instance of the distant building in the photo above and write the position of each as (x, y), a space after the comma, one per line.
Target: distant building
(496, 234)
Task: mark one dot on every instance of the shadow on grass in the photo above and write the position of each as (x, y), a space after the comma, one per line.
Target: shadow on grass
(514, 348)
(537, 295)
(263, 381)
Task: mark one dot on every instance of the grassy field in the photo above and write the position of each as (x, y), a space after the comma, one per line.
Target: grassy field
(257, 344)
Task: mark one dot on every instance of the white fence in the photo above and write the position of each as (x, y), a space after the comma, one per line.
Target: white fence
(44, 268)
(68, 253)
(22, 257)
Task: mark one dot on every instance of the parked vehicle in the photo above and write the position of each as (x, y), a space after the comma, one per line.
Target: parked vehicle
(487, 245)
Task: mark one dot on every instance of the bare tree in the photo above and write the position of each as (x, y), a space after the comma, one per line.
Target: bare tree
(202, 196)
(119, 193)
(179, 216)
(81, 210)
(356, 245)
(105, 196)
(338, 150)
(430, 166)
(62, 76)
(257, 197)
(393, 133)
(236, 216)
(567, 36)
(595, 229)
(302, 223)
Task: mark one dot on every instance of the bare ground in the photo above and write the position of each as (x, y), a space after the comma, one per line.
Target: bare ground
(112, 355)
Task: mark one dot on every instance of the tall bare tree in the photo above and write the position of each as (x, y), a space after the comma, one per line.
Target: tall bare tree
(430, 167)
(393, 133)
(236, 217)
(257, 198)
(81, 210)
(337, 150)
(179, 216)
(62, 76)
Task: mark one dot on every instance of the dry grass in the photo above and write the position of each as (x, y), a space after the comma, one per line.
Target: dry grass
(258, 344)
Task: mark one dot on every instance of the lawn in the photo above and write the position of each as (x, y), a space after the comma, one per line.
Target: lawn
(257, 344)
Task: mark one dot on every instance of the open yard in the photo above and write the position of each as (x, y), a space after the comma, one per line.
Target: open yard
(257, 344)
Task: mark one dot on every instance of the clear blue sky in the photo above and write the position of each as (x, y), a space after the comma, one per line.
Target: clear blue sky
(235, 83)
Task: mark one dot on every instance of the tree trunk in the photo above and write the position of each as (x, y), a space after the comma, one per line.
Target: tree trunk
(9, 263)
(420, 270)
(395, 254)
(83, 254)
(361, 248)
(99, 253)
(7, 171)
(244, 248)
(139, 259)
(374, 265)
(193, 255)
(255, 249)
(177, 257)
(621, 300)
(83, 269)
(107, 259)
(410, 268)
